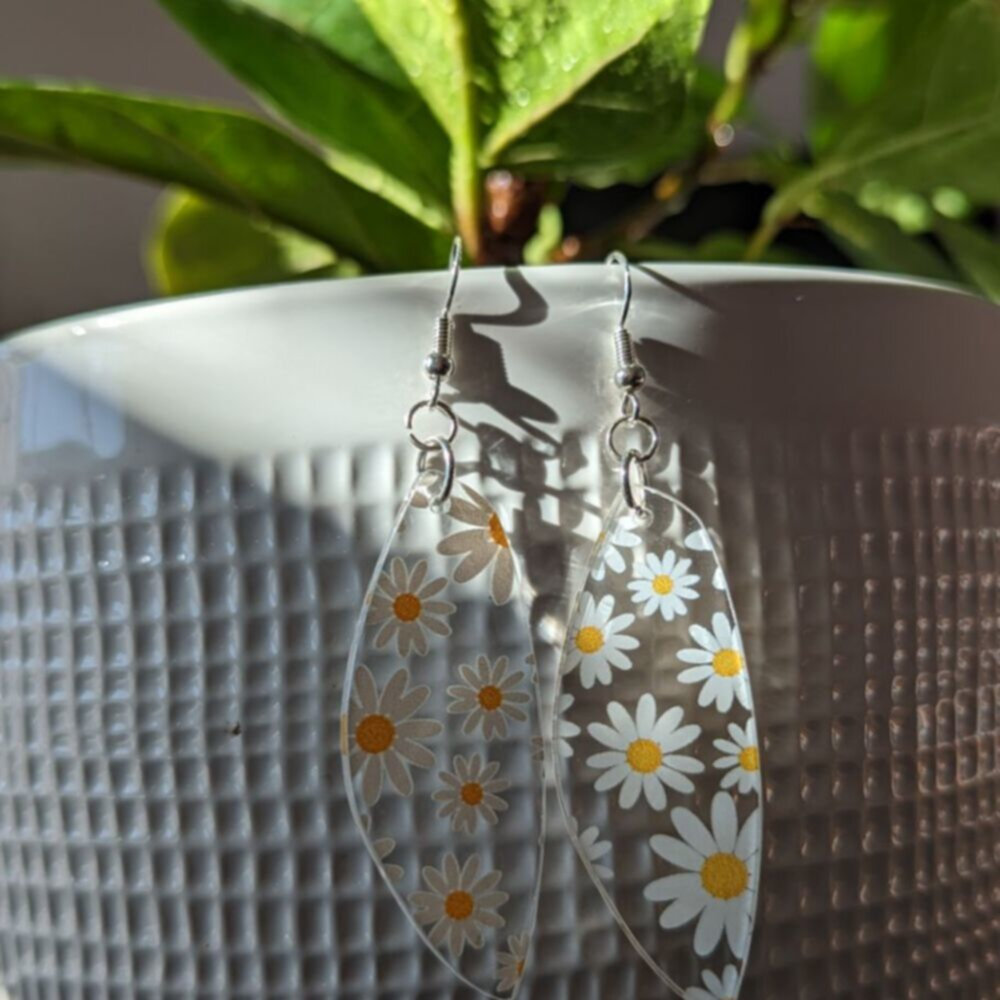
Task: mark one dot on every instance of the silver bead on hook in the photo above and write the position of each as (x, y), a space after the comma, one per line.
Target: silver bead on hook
(629, 375)
(439, 364)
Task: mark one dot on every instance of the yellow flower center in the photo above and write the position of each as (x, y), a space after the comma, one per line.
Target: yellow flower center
(459, 905)
(519, 968)
(644, 756)
(727, 663)
(472, 793)
(724, 876)
(589, 639)
(497, 535)
(375, 733)
(750, 759)
(663, 584)
(406, 607)
(490, 698)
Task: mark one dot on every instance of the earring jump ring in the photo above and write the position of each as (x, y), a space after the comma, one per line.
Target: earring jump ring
(641, 455)
(433, 443)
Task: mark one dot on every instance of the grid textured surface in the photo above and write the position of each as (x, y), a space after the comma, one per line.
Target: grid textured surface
(172, 641)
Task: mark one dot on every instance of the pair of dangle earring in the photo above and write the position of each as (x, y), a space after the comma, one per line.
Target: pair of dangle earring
(653, 725)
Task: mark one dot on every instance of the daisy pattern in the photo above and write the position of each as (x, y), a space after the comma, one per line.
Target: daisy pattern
(592, 847)
(741, 760)
(460, 903)
(699, 541)
(725, 988)
(510, 963)
(489, 697)
(471, 791)
(611, 558)
(483, 545)
(717, 883)
(565, 730)
(384, 738)
(643, 753)
(404, 605)
(719, 663)
(664, 584)
(599, 642)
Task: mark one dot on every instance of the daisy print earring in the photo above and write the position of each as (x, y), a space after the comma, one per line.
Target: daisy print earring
(440, 712)
(654, 723)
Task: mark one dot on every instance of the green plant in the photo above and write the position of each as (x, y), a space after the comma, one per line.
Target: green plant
(394, 123)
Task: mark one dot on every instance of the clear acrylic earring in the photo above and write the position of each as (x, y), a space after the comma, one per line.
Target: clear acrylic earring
(654, 722)
(440, 730)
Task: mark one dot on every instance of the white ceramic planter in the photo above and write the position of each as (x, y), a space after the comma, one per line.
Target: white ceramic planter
(194, 493)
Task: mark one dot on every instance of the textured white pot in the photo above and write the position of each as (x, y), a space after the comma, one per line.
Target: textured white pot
(194, 493)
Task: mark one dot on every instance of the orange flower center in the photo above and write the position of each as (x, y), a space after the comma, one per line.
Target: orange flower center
(519, 968)
(490, 697)
(727, 663)
(644, 756)
(589, 639)
(459, 905)
(472, 793)
(663, 584)
(750, 759)
(406, 607)
(724, 876)
(375, 733)
(497, 534)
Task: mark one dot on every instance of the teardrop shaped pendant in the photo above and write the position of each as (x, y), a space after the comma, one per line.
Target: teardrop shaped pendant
(656, 728)
(441, 740)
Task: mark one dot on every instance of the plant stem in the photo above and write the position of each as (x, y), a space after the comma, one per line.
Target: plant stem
(466, 183)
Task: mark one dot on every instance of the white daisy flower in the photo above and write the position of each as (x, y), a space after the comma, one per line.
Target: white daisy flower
(699, 541)
(484, 545)
(384, 738)
(599, 642)
(489, 697)
(611, 558)
(510, 963)
(643, 755)
(404, 604)
(471, 791)
(717, 883)
(592, 848)
(720, 664)
(664, 584)
(460, 903)
(742, 758)
(565, 730)
(725, 988)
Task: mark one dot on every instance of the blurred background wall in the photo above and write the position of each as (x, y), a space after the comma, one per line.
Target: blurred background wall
(71, 241)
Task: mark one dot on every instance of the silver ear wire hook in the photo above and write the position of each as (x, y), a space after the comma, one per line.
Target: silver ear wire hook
(630, 377)
(438, 366)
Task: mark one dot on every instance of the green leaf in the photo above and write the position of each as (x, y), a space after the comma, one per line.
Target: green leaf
(379, 136)
(600, 83)
(933, 121)
(198, 245)
(225, 155)
(976, 254)
(574, 88)
(342, 27)
(595, 142)
(430, 39)
(874, 241)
